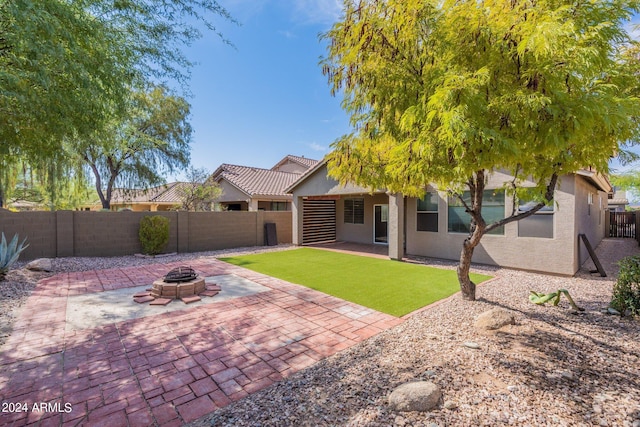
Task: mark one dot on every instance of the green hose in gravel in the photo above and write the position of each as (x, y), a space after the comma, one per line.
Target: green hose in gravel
(540, 299)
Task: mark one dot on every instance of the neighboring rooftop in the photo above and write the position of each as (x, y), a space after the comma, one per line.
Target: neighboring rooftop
(266, 182)
(302, 161)
(167, 193)
(254, 181)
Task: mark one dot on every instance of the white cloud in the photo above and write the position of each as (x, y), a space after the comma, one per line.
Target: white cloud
(287, 34)
(324, 12)
(301, 12)
(317, 147)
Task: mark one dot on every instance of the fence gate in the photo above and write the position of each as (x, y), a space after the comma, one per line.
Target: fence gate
(622, 224)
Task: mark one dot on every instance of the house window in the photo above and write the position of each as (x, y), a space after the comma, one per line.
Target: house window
(354, 211)
(427, 212)
(278, 206)
(492, 210)
(540, 224)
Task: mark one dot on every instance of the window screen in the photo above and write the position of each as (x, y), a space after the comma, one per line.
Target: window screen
(427, 213)
(354, 211)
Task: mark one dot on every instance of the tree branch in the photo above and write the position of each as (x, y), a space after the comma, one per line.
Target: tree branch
(548, 197)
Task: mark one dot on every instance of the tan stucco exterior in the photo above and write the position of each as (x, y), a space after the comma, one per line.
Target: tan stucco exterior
(562, 254)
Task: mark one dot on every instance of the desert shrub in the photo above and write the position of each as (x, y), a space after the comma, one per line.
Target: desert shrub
(154, 234)
(626, 291)
(9, 253)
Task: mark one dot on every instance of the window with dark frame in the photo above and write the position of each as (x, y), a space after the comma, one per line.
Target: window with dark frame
(427, 212)
(354, 211)
(540, 224)
(458, 220)
(278, 206)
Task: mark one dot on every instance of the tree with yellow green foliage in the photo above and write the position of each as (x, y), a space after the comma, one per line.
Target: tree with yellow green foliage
(447, 91)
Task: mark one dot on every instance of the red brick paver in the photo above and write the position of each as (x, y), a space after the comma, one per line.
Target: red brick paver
(170, 368)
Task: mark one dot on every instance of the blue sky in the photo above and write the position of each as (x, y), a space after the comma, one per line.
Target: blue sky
(266, 98)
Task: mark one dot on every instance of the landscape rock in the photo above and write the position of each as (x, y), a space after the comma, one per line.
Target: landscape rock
(421, 396)
(471, 344)
(450, 405)
(495, 318)
(40, 264)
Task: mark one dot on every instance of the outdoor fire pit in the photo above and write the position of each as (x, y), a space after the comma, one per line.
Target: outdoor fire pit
(181, 282)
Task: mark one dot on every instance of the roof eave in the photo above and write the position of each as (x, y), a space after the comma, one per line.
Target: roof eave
(597, 179)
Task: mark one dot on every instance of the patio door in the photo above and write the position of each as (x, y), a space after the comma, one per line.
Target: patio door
(380, 224)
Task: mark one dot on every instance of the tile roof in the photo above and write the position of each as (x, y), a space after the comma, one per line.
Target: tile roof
(308, 163)
(254, 181)
(167, 193)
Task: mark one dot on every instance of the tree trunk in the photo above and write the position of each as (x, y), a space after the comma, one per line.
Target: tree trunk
(477, 228)
(106, 202)
(467, 287)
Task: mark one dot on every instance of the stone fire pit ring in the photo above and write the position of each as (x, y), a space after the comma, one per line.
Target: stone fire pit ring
(162, 289)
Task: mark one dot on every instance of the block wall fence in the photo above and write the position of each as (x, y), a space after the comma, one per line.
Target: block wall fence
(83, 233)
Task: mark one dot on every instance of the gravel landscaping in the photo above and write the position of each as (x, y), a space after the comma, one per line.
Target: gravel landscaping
(553, 367)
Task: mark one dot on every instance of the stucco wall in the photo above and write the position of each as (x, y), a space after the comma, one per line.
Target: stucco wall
(590, 219)
(319, 183)
(291, 167)
(231, 193)
(560, 254)
(556, 255)
(358, 233)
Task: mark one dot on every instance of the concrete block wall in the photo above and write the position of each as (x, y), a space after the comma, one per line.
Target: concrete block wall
(284, 225)
(114, 233)
(82, 233)
(38, 227)
(222, 230)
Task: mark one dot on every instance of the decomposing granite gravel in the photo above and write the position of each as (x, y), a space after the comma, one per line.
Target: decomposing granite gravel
(553, 367)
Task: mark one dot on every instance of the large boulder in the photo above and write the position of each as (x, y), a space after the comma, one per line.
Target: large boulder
(415, 396)
(495, 318)
(40, 264)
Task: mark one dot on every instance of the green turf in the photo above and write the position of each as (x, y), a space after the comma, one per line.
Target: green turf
(392, 287)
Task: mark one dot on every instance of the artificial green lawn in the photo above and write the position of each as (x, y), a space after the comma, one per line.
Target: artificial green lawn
(392, 287)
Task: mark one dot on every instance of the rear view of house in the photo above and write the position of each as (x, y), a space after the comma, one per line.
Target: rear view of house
(436, 225)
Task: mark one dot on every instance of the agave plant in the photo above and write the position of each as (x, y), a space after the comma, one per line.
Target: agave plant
(9, 253)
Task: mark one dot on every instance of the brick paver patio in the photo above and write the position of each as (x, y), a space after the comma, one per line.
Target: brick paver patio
(171, 368)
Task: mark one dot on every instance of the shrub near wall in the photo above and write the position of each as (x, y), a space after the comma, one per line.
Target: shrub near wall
(114, 233)
(153, 234)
